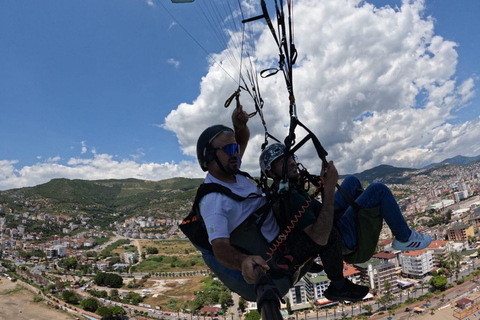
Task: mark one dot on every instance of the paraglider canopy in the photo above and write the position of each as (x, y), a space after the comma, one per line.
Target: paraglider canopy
(182, 1)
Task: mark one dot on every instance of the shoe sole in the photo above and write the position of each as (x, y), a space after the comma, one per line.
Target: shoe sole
(337, 298)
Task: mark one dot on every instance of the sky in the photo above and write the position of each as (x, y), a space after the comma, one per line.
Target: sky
(104, 89)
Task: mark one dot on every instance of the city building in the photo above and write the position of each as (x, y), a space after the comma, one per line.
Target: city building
(440, 250)
(460, 232)
(375, 273)
(297, 295)
(56, 251)
(417, 264)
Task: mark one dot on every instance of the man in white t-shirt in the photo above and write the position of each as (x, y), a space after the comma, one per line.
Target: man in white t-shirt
(219, 151)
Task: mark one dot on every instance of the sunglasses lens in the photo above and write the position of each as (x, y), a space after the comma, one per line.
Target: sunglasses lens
(230, 149)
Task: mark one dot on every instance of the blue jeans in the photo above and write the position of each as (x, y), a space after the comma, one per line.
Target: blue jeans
(376, 194)
(234, 280)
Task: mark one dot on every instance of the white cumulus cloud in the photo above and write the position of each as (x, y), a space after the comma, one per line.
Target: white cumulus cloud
(376, 85)
(100, 166)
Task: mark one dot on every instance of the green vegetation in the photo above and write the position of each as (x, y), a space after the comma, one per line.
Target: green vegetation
(90, 304)
(213, 292)
(102, 200)
(114, 312)
(108, 250)
(152, 250)
(161, 263)
(70, 297)
(108, 279)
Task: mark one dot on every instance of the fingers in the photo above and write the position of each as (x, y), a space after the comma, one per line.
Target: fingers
(239, 117)
(253, 267)
(330, 175)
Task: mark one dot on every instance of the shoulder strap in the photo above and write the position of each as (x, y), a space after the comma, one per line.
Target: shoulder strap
(206, 188)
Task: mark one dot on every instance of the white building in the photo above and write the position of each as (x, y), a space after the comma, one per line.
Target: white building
(316, 284)
(297, 295)
(417, 264)
(460, 195)
(56, 251)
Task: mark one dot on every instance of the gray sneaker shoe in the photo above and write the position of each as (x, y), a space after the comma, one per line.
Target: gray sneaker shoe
(417, 241)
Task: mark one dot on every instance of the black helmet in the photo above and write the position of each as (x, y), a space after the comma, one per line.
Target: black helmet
(205, 140)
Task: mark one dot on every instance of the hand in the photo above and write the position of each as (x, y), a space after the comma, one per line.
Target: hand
(252, 266)
(239, 118)
(330, 177)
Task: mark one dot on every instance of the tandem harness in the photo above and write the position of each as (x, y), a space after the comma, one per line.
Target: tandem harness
(291, 260)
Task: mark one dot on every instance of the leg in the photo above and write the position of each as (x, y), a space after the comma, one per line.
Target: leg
(347, 222)
(332, 259)
(378, 194)
(340, 288)
(233, 279)
(352, 187)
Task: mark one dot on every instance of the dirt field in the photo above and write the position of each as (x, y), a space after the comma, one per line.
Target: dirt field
(162, 290)
(17, 303)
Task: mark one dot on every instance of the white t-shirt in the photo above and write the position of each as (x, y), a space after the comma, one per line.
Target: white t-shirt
(223, 214)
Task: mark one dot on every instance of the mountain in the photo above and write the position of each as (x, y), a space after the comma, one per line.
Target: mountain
(386, 174)
(105, 199)
(458, 160)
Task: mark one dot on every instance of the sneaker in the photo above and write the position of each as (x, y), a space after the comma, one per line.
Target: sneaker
(417, 241)
(349, 292)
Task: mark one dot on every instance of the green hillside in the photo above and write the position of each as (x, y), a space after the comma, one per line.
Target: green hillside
(170, 198)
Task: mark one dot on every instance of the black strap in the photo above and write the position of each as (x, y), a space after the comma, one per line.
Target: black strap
(349, 199)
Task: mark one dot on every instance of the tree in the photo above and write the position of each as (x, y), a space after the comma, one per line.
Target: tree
(109, 279)
(388, 297)
(242, 304)
(89, 304)
(69, 297)
(117, 311)
(104, 312)
(253, 315)
(439, 282)
(152, 250)
(69, 263)
(134, 297)
(368, 308)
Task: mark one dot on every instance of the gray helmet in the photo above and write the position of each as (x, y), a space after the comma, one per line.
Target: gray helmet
(270, 154)
(204, 143)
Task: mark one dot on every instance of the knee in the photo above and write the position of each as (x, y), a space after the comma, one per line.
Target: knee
(381, 188)
(351, 179)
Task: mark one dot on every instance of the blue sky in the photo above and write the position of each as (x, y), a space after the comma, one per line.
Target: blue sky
(112, 89)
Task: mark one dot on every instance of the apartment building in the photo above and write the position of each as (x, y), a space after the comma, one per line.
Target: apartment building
(460, 232)
(391, 257)
(297, 295)
(315, 285)
(375, 272)
(56, 251)
(416, 264)
(440, 251)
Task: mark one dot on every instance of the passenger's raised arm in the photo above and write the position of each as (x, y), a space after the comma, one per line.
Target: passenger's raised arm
(242, 132)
